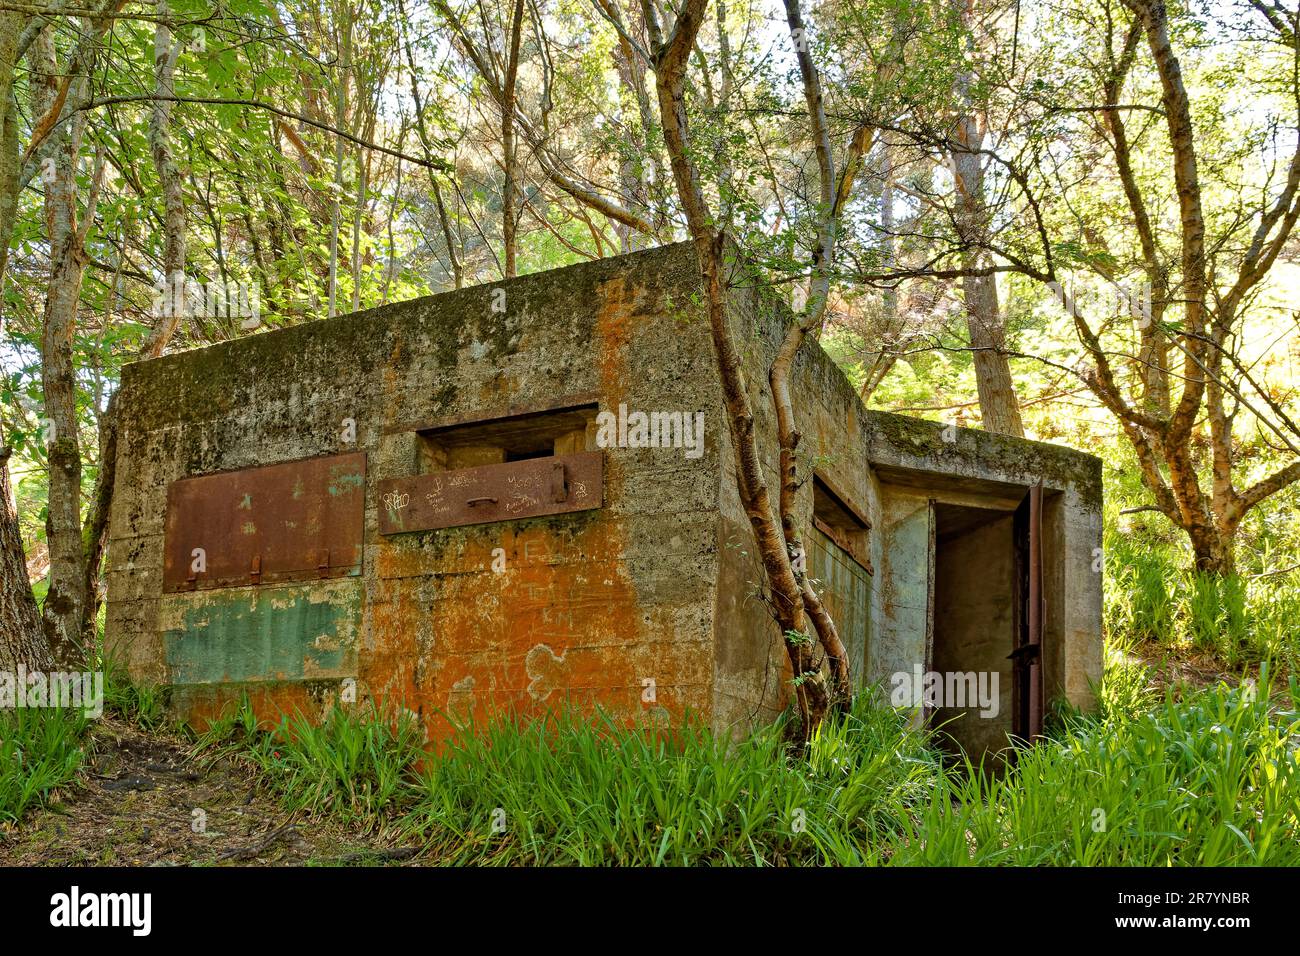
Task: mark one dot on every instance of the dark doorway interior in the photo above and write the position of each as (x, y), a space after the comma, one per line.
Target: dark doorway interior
(975, 626)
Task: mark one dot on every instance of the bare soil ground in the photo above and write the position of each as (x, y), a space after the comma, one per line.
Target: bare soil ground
(144, 799)
(1184, 670)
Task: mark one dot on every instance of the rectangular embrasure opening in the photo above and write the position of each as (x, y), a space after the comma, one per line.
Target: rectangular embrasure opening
(524, 465)
(840, 522)
(523, 437)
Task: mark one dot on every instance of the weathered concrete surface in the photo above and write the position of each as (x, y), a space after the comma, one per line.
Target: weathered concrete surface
(646, 606)
(914, 462)
(891, 468)
(588, 607)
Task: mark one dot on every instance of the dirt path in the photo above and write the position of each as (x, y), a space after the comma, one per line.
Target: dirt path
(144, 800)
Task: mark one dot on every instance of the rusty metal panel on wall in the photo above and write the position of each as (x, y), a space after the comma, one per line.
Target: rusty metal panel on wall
(530, 488)
(287, 522)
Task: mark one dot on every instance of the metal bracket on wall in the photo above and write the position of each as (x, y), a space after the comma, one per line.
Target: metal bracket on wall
(559, 483)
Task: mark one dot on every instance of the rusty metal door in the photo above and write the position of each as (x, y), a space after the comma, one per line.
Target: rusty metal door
(1027, 718)
(286, 522)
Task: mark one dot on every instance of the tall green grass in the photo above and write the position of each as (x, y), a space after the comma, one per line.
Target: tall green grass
(1153, 595)
(1244, 618)
(570, 790)
(40, 750)
(144, 705)
(1210, 779)
(355, 765)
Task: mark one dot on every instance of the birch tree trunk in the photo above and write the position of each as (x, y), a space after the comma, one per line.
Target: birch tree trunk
(22, 639)
(10, 26)
(63, 611)
(340, 117)
(509, 220)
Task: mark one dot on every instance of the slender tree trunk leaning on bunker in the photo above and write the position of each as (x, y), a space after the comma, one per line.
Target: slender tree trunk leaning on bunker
(22, 639)
(833, 198)
(792, 598)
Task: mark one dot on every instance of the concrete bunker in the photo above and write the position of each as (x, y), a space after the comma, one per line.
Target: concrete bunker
(465, 509)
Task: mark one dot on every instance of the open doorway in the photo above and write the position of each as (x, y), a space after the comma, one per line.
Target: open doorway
(975, 626)
(987, 627)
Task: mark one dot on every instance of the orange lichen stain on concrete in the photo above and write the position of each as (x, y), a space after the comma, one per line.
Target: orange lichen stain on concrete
(561, 624)
(204, 704)
(614, 317)
(396, 629)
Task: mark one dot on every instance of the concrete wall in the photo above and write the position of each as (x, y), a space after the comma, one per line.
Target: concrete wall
(890, 467)
(591, 604)
(903, 591)
(916, 462)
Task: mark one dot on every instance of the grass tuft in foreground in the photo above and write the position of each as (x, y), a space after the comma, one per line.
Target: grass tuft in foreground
(1211, 780)
(40, 750)
(1207, 780)
(354, 765)
(569, 790)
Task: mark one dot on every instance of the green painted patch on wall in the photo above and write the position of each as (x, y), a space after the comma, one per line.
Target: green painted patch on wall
(344, 482)
(292, 632)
